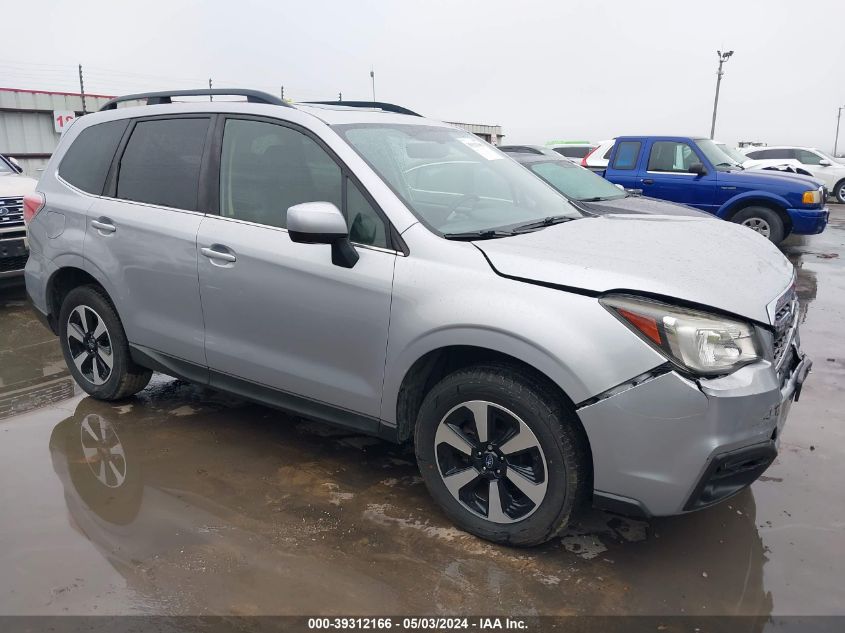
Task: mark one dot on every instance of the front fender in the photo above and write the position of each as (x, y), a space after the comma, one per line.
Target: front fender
(751, 197)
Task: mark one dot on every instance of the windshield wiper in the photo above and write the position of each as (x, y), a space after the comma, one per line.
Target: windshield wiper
(540, 224)
(485, 234)
(603, 198)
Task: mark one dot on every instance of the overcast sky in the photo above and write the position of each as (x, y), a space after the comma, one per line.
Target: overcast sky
(543, 70)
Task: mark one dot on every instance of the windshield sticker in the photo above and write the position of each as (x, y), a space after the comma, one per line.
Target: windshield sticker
(480, 148)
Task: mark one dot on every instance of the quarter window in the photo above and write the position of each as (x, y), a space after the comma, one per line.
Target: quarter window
(671, 156)
(161, 163)
(87, 161)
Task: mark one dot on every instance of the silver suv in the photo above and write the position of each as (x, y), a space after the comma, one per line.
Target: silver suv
(400, 277)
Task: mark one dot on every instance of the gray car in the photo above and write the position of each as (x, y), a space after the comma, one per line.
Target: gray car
(588, 190)
(401, 277)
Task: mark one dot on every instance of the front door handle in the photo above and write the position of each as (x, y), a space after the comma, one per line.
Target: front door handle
(648, 181)
(104, 225)
(219, 255)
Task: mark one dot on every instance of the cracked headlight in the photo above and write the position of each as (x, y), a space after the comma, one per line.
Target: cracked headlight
(699, 342)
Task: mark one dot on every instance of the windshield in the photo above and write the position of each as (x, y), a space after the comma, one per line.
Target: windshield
(452, 181)
(575, 182)
(721, 161)
(737, 157)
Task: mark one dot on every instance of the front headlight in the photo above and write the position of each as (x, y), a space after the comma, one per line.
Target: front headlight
(812, 197)
(699, 342)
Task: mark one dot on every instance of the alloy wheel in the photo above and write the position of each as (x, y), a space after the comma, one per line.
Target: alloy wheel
(90, 344)
(491, 461)
(103, 451)
(758, 224)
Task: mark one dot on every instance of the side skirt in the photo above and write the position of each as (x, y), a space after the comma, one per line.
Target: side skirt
(262, 394)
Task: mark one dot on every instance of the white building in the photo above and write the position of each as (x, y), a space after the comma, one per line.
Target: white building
(31, 122)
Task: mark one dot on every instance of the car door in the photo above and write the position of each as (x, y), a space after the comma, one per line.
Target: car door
(667, 175)
(811, 161)
(141, 235)
(279, 315)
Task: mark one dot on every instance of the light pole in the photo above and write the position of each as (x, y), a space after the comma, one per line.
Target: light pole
(723, 57)
(373, 79)
(836, 140)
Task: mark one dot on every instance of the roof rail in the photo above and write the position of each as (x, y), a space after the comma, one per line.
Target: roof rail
(157, 98)
(379, 105)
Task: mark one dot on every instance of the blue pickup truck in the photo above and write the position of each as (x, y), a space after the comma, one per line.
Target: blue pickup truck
(694, 171)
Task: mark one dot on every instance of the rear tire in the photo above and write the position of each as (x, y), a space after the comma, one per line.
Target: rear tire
(763, 220)
(532, 458)
(95, 346)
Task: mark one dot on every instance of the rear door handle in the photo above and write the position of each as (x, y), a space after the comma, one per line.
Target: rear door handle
(648, 181)
(219, 255)
(104, 225)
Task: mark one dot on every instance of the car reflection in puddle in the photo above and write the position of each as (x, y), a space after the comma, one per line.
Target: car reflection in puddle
(294, 517)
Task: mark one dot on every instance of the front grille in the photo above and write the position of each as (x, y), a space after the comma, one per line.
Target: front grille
(9, 264)
(11, 212)
(784, 322)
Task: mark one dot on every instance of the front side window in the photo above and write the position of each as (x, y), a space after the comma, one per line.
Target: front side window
(267, 168)
(452, 181)
(575, 182)
(807, 157)
(671, 156)
(87, 161)
(626, 155)
(161, 162)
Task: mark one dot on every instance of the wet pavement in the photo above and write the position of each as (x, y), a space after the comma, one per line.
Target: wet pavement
(209, 505)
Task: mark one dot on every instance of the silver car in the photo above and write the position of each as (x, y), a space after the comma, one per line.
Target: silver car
(400, 277)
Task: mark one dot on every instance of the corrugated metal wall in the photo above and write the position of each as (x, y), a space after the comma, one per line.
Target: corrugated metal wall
(26, 124)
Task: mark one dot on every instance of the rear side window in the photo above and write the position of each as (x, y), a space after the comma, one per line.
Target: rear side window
(161, 163)
(626, 155)
(573, 151)
(87, 161)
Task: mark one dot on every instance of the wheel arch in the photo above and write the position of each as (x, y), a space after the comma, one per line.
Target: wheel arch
(437, 363)
(756, 199)
(61, 282)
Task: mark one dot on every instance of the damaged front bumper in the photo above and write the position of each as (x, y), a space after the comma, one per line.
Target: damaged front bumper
(670, 444)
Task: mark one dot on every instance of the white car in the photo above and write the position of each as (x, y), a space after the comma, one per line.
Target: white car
(574, 151)
(13, 246)
(598, 159)
(822, 166)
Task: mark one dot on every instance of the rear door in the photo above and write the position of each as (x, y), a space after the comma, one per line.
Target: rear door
(623, 168)
(279, 314)
(141, 235)
(667, 175)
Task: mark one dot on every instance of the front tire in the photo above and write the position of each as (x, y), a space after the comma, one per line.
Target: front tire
(95, 346)
(502, 454)
(839, 192)
(764, 221)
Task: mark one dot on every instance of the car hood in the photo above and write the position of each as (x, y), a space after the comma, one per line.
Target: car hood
(700, 260)
(755, 177)
(13, 185)
(641, 204)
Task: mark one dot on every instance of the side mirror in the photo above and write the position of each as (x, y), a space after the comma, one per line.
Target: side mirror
(825, 162)
(15, 164)
(697, 168)
(322, 223)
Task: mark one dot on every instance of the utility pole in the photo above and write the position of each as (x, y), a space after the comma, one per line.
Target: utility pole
(340, 96)
(836, 141)
(282, 93)
(210, 97)
(723, 57)
(373, 79)
(82, 90)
